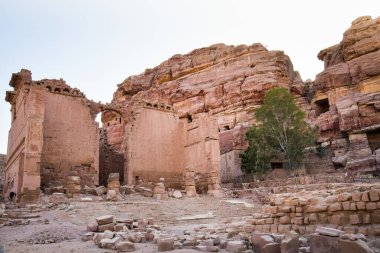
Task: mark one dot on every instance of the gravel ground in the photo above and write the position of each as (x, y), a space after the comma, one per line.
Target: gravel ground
(67, 223)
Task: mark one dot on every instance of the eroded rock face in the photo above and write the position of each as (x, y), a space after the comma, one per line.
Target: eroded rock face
(226, 81)
(347, 95)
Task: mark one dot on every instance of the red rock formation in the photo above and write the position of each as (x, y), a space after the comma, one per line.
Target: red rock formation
(347, 95)
(227, 82)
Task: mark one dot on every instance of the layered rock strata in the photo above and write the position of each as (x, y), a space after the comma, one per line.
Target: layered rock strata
(347, 97)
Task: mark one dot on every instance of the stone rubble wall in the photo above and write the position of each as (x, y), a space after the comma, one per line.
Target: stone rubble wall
(352, 209)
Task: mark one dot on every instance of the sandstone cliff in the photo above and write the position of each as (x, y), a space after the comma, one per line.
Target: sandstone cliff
(226, 81)
(229, 82)
(347, 96)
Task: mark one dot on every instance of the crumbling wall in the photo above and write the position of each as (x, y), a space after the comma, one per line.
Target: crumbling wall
(355, 209)
(111, 160)
(202, 152)
(25, 139)
(155, 143)
(71, 141)
(2, 169)
(53, 135)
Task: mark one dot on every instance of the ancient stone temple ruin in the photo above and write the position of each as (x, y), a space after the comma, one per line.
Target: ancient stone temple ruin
(54, 142)
(53, 135)
(184, 121)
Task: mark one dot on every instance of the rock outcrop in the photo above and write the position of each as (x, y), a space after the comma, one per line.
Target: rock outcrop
(347, 96)
(225, 82)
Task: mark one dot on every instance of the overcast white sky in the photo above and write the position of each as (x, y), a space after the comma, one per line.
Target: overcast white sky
(96, 44)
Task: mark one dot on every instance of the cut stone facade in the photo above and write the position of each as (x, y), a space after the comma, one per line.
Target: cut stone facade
(2, 169)
(159, 144)
(53, 135)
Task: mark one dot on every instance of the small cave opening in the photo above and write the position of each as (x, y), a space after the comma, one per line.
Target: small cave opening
(322, 106)
(189, 118)
(276, 165)
(374, 139)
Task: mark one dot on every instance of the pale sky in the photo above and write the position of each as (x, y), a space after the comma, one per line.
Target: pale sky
(96, 44)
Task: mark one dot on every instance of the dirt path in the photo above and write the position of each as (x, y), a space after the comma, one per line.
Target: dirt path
(68, 223)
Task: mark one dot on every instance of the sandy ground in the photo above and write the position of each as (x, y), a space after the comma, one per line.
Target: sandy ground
(69, 222)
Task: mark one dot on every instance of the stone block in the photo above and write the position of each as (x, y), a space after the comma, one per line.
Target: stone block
(271, 248)
(360, 205)
(290, 243)
(331, 199)
(58, 198)
(355, 219)
(165, 244)
(356, 246)
(274, 228)
(108, 234)
(323, 244)
(374, 195)
(92, 227)
(285, 209)
(125, 246)
(344, 196)
(87, 236)
(266, 228)
(335, 207)
(270, 209)
(336, 219)
(97, 238)
(260, 240)
(356, 196)
(236, 246)
(102, 228)
(282, 229)
(346, 205)
(297, 220)
(317, 208)
(269, 221)
(111, 195)
(107, 243)
(119, 227)
(105, 219)
(353, 206)
(365, 196)
(366, 218)
(329, 231)
(284, 220)
(291, 202)
(101, 190)
(371, 206)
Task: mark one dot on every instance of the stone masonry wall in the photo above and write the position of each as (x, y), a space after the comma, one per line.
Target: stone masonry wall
(53, 135)
(353, 209)
(2, 169)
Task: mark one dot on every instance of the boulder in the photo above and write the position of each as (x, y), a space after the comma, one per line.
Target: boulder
(290, 243)
(125, 246)
(110, 243)
(236, 246)
(165, 244)
(323, 244)
(111, 195)
(105, 219)
(356, 246)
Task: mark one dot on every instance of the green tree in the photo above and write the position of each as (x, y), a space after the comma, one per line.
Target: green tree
(282, 128)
